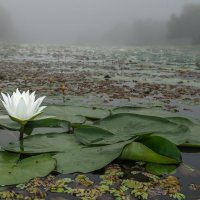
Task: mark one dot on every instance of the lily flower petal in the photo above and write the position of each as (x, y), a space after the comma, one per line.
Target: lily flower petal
(22, 107)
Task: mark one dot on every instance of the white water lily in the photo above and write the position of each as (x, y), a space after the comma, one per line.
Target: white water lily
(22, 107)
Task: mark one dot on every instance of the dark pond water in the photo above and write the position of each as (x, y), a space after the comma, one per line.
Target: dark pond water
(7, 136)
(186, 177)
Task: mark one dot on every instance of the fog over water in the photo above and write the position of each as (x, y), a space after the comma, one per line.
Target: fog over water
(125, 22)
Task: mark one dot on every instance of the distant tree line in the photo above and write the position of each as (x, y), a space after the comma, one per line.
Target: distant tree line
(187, 25)
(183, 29)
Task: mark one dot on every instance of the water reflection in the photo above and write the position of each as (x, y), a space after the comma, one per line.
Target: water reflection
(7, 136)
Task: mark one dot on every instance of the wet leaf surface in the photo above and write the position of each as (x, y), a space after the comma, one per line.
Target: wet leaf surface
(14, 171)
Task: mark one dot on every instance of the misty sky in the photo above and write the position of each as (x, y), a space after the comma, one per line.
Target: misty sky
(69, 21)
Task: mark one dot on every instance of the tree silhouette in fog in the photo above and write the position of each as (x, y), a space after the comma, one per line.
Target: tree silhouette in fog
(186, 26)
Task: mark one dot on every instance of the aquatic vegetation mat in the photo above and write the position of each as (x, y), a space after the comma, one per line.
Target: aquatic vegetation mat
(111, 184)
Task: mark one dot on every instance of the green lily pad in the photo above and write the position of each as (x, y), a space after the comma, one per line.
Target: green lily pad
(69, 113)
(59, 112)
(49, 125)
(6, 122)
(91, 135)
(7, 157)
(87, 159)
(162, 146)
(150, 111)
(190, 139)
(43, 143)
(152, 151)
(22, 171)
(183, 120)
(158, 169)
(193, 139)
(71, 155)
(127, 126)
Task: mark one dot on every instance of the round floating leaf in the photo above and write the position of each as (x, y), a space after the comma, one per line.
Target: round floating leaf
(91, 135)
(24, 170)
(61, 113)
(66, 112)
(141, 152)
(158, 169)
(72, 156)
(162, 146)
(87, 159)
(49, 125)
(6, 122)
(7, 157)
(193, 139)
(150, 111)
(131, 125)
(183, 120)
(43, 143)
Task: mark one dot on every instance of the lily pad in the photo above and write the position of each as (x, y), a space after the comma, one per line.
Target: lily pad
(152, 151)
(6, 122)
(60, 113)
(69, 112)
(46, 126)
(183, 120)
(91, 135)
(22, 171)
(7, 157)
(193, 139)
(71, 156)
(43, 143)
(126, 126)
(87, 159)
(150, 111)
(162, 146)
(158, 169)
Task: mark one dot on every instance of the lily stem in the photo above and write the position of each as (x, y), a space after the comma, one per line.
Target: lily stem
(21, 136)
